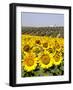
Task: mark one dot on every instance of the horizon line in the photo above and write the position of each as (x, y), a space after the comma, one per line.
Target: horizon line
(42, 26)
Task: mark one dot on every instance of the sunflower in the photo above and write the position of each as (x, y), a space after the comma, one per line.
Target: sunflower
(38, 40)
(25, 39)
(30, 62)
(51, 51)
(57, 45)
(62, 45)
(37, 50)
(45, 43)
(32, 41)
(51, 48)
(62, 49)
(25, 42)
(45, 60)
(57, 58)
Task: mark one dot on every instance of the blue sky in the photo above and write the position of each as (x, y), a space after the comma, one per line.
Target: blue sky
(41, 19)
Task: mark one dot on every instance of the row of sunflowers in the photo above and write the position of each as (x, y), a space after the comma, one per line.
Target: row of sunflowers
(42, 55)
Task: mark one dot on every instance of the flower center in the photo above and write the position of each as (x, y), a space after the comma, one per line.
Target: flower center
(45, 59)
(26, 48)
(38, 42)
(45, 45)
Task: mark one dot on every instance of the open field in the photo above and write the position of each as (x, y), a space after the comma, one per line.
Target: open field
(44, 31)
(42, 51)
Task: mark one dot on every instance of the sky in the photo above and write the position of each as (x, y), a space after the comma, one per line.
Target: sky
(29, 19)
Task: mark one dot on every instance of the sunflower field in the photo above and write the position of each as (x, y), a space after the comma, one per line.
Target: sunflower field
(41, 56)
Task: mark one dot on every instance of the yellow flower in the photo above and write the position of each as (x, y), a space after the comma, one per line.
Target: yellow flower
(62, 49)
(32, 41)
(37, 50)
(25, 38)
(43, 48)
(24, 41)
(45, 43)
(51, 48)
(51, 51)
(45, 60)
(57, 58)
(62, 45)
(30, 62)
(57, 45)
(38, 40)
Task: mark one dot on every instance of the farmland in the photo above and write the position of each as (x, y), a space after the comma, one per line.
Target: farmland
(44, 31)
(42, 51)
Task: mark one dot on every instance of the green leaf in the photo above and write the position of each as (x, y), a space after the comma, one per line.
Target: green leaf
(62, 68)
(60, 72)
(62, 63)
(49, 74)
(57, 71)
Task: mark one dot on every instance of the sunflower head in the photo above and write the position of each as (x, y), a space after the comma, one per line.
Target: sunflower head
(57, 46)
(38, 50)
(29, 62)
(45, 60)
(57, 58)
